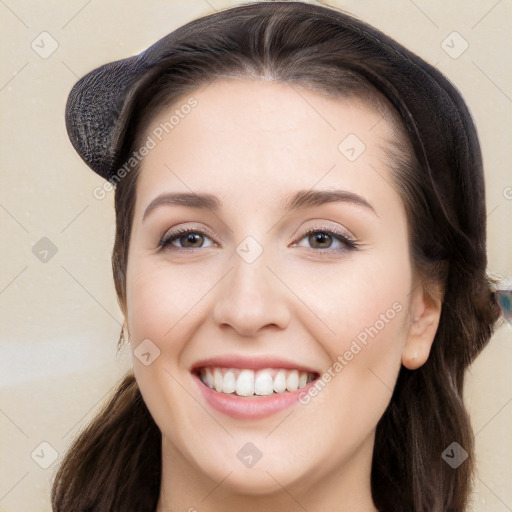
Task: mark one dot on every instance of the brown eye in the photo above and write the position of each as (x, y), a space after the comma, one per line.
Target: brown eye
(186, 239)
(327, 241)
(323, 240)
(192, 240)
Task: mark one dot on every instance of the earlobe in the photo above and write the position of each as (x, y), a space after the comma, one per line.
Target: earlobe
(125, 333)
(415, 355)
(425, 316)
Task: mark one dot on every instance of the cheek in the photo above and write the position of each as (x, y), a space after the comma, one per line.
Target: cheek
(363, 311)
(161, 298)
(148, 308)
(162, 304)
(353, 297)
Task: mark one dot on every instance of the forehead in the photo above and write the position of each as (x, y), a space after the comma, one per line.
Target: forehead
(260, 134)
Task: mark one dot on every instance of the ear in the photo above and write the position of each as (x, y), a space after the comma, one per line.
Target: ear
(425, 312)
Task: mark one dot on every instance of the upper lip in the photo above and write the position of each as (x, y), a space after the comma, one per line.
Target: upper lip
(251, 363)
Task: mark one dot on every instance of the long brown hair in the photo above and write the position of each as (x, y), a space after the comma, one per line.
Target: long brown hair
(115, 463)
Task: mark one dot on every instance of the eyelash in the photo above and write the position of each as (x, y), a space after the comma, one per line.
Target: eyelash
(348, 243)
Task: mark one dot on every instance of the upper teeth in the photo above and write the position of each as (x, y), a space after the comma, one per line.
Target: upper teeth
(248, 382)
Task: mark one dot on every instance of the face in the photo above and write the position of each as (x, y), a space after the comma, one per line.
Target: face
(286, 289)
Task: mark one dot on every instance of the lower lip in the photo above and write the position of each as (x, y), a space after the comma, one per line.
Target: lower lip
(250, 407)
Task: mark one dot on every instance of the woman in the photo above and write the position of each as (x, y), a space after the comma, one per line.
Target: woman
(300, 260)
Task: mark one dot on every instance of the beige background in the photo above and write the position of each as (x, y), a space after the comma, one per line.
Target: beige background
(60, 320)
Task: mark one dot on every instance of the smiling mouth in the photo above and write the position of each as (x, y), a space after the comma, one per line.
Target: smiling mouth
(250, 383)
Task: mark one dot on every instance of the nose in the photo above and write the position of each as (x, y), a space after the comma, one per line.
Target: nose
(251, 298)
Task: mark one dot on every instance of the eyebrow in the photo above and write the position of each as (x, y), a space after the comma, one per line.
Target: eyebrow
(301, 199)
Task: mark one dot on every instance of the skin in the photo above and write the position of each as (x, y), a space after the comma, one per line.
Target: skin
(253, 144)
